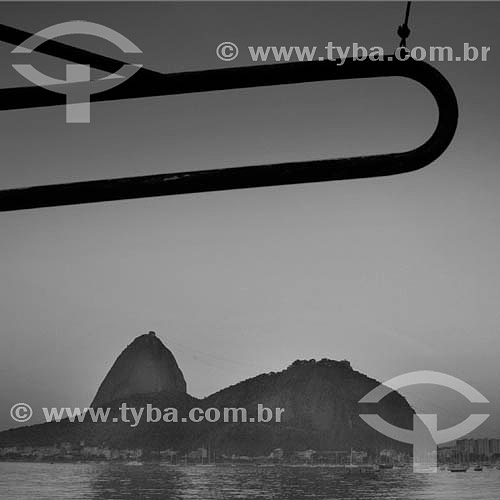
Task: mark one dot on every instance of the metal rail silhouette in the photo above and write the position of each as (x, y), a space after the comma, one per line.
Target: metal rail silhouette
(147, 83)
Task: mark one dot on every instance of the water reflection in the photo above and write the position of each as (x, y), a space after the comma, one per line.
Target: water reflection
(247, 482)
(111, 481)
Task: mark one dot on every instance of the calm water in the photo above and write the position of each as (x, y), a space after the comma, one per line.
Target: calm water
(27, 481)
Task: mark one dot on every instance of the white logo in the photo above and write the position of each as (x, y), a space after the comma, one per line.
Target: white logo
(78, 87)
(227, 51)
(425, 436)
(21, 412)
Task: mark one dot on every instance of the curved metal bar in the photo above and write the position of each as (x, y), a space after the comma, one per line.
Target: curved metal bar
(146, 84)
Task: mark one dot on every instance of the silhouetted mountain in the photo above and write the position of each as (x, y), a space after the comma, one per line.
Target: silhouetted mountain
(319, 398)
(146, 366)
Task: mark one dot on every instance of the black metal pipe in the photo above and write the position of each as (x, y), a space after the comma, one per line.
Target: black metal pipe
(54, 48)
(147, 84)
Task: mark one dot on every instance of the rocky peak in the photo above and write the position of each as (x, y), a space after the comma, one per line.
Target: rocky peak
(145, 366)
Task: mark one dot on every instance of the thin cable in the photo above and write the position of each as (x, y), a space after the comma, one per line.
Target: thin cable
(403, 29)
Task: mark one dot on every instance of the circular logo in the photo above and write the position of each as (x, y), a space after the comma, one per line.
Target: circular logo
(227, 51)
(21, 412)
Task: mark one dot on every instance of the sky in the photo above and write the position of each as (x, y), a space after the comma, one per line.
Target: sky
(394, 274)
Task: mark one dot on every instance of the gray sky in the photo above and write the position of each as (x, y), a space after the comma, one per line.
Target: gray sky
(394, 274)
